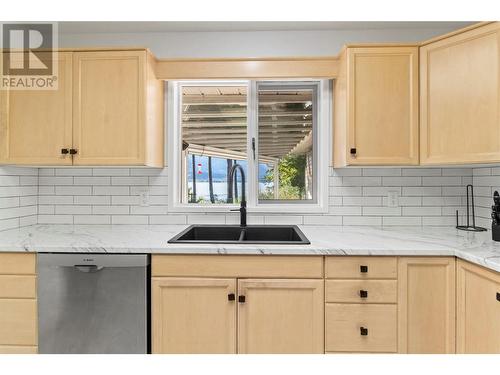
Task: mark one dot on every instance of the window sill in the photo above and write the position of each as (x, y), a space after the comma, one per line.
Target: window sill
(267, 209)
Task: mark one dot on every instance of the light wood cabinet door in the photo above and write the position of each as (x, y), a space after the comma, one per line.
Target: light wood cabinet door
(426, 303)
(460, 98)
(280, 316)
(18, 304)
(109, 107)
(478, 309)
(381, 101)
(36, 124)
(192, 315)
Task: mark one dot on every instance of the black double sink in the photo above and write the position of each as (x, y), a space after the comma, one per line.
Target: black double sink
(234, 234)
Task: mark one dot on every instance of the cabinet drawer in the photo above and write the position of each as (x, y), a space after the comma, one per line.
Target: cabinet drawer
(344, 323)
(361, 267)
(17, 264)
(13, 349)
(18, 324)
(361, 291)
(17, 286)
(237, 266)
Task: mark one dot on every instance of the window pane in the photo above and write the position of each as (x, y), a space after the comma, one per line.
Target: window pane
(214, 138)
(286, 142)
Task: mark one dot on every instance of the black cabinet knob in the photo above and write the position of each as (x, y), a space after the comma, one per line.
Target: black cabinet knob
(72, 151)
(363, 269)
(64, 151)
(241, 299)
(353, 151)
(363, 293)
(231, 297)
(498, 297)
(363, 331)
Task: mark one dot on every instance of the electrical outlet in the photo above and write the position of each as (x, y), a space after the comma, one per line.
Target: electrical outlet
(144, 198)
(393, 199)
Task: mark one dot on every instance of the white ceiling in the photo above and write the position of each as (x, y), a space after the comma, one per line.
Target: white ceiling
(161, 27)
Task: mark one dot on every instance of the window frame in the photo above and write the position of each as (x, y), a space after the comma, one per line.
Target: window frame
(322, 138)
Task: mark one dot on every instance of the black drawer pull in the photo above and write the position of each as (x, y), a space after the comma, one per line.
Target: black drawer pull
(498, 297)
(72, 151)
(64, 151)
(363, 331)
(353, 151)
(363, 269)
(363, 293)
(231, 297)
(241, 299)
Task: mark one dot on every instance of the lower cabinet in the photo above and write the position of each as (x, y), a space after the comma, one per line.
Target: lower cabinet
(237, 304)
(361, 311)
(478, 309)
(426, 303)
(18, 304)
(194, 315)
(280, 316)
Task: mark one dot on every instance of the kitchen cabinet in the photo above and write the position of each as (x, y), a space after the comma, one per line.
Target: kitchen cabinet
(280, 316)
(107, 111)
(194, 315)
(478, 309)
(36, 124)
(117, 109)
(426, 305)
(243, 304)
(460, 98)
(376, 106)
(18, 303)
(361, 304)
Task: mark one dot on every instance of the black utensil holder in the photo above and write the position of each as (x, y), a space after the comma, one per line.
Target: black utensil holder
(495, 232)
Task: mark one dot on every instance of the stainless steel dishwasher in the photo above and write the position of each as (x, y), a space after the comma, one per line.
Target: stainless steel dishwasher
(93, 303)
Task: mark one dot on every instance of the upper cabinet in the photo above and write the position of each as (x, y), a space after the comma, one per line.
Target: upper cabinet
(107, 110)
(376, 106)
(35, 125)
(460, 98)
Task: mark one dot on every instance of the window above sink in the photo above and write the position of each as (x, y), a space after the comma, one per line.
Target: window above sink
(276, 131)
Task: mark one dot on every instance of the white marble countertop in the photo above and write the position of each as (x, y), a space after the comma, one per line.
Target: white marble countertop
(325, 240)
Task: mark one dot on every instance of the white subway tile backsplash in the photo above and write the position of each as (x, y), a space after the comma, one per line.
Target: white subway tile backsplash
(94, 181)
(322, 220)
(111, 210)
(74, 190)
(92, 219)
(73, 210)
(362, 220)
(128, 219)
(73, 172)
(421, 172)
(42, 180)
(421, 211)
(55, 199)
(401, 181)
(382, 172)
(419, 191)
(92, 199)
(111, 172)
(129, 181)
(9, 181)
(357, 196)
(111, 190)
(9, 202)
(381, 211)
(442, 181)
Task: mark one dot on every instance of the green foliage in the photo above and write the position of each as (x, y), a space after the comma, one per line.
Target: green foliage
(292, 178)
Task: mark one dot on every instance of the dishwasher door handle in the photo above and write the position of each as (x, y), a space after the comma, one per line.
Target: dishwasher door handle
(88, 268)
